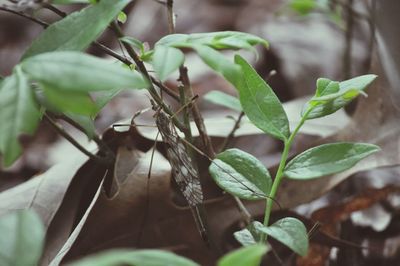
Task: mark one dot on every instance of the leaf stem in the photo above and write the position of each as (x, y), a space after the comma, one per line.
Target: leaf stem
(279, 174)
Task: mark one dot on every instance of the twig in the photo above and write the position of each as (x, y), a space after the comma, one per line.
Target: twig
(198, 119)
(188, 91)
(371, 24)
(68, 137)
(165, 89)
(171, 20)
(231, 135)
(21, 14)
(54, 9)
(347, 60)
(184, 87)
(102, 145)
(186, 118)
(142, 69)
(243, 211)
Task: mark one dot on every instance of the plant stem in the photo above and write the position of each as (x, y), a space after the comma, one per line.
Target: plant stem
(279, 174)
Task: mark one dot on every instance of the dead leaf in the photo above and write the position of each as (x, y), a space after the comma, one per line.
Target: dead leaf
(44, 192)
(331, 216)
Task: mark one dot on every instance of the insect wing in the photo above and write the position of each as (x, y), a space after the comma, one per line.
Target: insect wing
(181, 164)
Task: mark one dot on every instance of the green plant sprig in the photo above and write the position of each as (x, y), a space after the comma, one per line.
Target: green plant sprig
(243, 176)
(280, 172)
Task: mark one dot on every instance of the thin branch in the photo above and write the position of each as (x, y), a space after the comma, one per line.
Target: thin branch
(54, 9)
(372, 25)
(184, 87)
(186, 118)
(68, 137)
(102, 145)
(166, 89)
(231, 135)
(142, 69)
(243, 211)
(21, 14)
(198, 119)
(128, 62)
(347, 60)
(171, 19)
(188, 91)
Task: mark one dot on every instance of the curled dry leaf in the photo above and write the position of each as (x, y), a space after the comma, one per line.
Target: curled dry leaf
(133, 218)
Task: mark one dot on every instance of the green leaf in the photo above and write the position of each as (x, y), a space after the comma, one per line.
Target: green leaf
(166, 60)
(75, 71)
(245, 256)
(223, 99)
(260, 103)
(327, 159)
(303, 7)
(19, 114)
(78, 30)
(244, 237)
(289, 231)
(122, 17)
(102, 98)
(85, 122)
(217, 40)
(326, 87)
(66, 2)
(218, 62)
(205, 44)
(69, 101)
(173, 40)
(241, 174)
(22, 239)
(135, 43)
(134, 258)
(328, 99)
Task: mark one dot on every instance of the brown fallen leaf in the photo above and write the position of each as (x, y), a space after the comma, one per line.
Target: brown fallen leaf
(76, 200)
(44, 192)
(137, 216)
(331, 216)
(141, 218)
